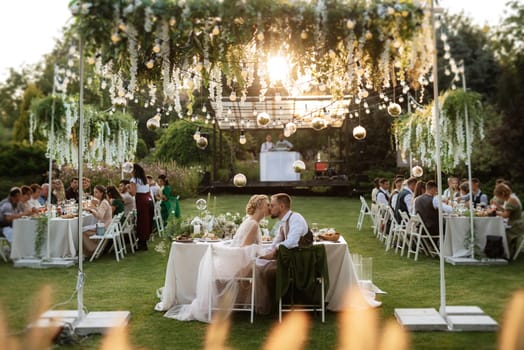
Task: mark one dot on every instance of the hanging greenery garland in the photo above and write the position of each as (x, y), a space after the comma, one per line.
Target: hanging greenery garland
(338, 47)
(109, 137)
(415, 132)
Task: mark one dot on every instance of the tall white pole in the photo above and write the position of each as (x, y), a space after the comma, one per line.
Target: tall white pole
(468, 160)
(436, 119)
(80, 279)
(50, 181)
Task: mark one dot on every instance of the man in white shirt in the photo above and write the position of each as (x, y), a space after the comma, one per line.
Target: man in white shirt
(292, 225)
(129, 200)
(383, 192)
(268, 145)
(282, 143)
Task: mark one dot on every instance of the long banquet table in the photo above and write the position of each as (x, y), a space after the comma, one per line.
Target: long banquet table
(63, 233)
(458, 233)
(184, 259)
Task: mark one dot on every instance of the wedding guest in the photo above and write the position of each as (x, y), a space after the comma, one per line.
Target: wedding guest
(9, 212)
(58, 190)
(72, 191)
(101, 210)
(23, 204)
(398, 187)
(405, 198)
(453, 189)
(420, 188)
(115, 199)
(153, 186)
(268, 145)
(44, 193)
(479, 198)
(129, 200)
(247, 239)
(167, 199)
(86, 185)
(463, 196)
(512, 211)
(426, 206)
(33, 202)
(374, 191)
(139, 188)
(383, 192)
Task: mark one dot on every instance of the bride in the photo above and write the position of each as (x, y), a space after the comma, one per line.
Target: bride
(225, 262)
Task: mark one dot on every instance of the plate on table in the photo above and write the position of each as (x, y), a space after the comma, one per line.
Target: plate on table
(210, 240)
(183, 239)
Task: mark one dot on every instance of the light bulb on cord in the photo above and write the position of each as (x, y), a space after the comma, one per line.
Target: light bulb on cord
(196, 135)
(242, 139)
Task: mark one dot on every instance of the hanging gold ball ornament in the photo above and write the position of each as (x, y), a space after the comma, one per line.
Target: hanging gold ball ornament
(263, 119)
(291, 127)
(318, 123)
(394, 109)
(153, 123)
(127, 167)
(359, 132)
(239, 180)
(417, 171)
(299, 166)
(303, 35)
(201, 142)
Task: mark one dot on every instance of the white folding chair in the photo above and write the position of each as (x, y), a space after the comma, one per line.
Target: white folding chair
(519, 248)
(157, 218)
(112, 233)
(3, 243)
(424, 240)
(364, 211)
(381, 222)
(402, 234)
(226, 280)
(129, 230)
(396, 230)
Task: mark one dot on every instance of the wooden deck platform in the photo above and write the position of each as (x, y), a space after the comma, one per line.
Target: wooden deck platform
(320, 187)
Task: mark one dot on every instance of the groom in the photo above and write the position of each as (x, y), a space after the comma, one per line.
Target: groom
(293, 226)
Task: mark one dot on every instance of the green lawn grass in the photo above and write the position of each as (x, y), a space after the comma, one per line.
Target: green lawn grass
(132, 284)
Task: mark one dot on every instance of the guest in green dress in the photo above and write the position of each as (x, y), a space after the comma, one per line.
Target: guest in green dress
(169, 203)
(117, 203)
(513, 212)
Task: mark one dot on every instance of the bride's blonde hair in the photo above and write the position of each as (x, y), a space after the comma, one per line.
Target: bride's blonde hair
(255, 202)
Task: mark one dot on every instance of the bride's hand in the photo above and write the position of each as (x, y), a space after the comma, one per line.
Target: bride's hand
(270, 256)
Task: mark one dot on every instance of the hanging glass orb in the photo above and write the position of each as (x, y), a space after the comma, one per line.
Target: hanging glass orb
(394, 109)
(286, 133)
(153, 123)
(359, 132)
(201, 204)
(239, 180)
(417, 171)
(299, 166)
(127, 167)
(318, 123)
(291, 127)
(201, 142)
(263, 119)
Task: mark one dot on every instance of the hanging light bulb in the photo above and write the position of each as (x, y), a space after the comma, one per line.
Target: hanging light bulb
(263, 119)
(359, 132)
(242, 139)
(196, 135)
(233, 96)
(394, 109)
(153, 123)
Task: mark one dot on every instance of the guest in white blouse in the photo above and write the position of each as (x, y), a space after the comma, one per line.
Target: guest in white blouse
(268, 145)
(33, 201)
(139, 188)
(101, 209)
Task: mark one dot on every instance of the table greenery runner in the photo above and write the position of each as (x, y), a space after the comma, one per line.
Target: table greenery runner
(41, 231)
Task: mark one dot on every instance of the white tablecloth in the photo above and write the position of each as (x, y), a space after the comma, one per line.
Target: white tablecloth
(63, 234)
(278, 166)
(184, 260)
(458, 229)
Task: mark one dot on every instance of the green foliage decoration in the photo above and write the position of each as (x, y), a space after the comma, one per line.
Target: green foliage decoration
(41, 231)
(415, 132)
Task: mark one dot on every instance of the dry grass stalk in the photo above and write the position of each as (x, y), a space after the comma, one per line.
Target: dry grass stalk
(291, 334)
(512, 332)
(40, 338)
(218, 330)
(116, 339)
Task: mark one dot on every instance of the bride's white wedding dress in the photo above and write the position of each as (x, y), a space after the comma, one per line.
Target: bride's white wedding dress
(220, 262)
